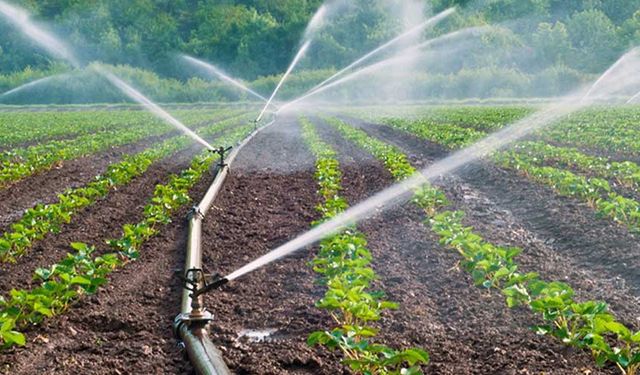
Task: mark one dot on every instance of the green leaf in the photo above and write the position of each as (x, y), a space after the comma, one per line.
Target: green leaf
(14, 338)
(80, 280)
(316, 338)
(79, 246)
(415, 355)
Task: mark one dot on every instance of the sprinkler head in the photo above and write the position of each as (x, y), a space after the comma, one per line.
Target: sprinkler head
(194, 277)
(222, 151)
(215, 282)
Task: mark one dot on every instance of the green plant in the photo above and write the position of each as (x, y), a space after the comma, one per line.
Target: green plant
(585, 325)
(80, 273)
(343, 263)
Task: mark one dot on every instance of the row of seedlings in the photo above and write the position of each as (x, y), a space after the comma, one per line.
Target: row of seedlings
(82, 273)
(343, 263)
(584, 325)
(20, 128)
(529, 160)
(49, 218)
(18, 164)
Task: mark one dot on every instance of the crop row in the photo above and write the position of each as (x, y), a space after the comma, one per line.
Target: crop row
(19, 164)
(17, 128)
(595, 191)
(451, 136)
(600, 128)
(625, 173)
(483, 118)
(585, 325)
(491, 118)
(82, 273)
(42, 219)
(75, 124)
(602, 136)
(343, 262)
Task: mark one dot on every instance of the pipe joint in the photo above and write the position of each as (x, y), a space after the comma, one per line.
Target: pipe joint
(195, 213)
(192, 321)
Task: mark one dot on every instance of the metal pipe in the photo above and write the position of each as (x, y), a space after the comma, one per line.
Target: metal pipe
(205, 357)
(194, 254)
(191, 325)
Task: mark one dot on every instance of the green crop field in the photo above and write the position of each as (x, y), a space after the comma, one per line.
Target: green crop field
(371, 187)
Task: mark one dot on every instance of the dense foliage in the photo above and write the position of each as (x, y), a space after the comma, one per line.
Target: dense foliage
(546, 46)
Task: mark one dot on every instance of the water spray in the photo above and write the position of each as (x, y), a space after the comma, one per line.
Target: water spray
(149, 105)
(633, 98)
(635, 52)
(22, 20)
(31, 84)
(403, 191)
(295, 61)
(317, 21)
(423, 26)
(410, 52)
(220, 74)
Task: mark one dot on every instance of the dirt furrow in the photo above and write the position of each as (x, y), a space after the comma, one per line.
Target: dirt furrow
(268, 199)
(95, 224)
(601, 249)
(45, 186)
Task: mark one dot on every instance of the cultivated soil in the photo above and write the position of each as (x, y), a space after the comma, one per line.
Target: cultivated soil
(262, 319)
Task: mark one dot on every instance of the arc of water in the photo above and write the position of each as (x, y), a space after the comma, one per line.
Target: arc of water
(149, 105)
(220, 74)
(21, 19)
(295, 61)
(633, 98)
(609, 72)
(423, 26)
(316, 22)
(350, 77)
(33, 83)
(405, 53)
(403, 190)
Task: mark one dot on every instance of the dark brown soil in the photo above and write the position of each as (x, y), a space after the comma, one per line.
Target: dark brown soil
(97, 223)
(126, 327)
(45, 186)
(599, 257)
(270, 198)
(465, 329)
(262, 206)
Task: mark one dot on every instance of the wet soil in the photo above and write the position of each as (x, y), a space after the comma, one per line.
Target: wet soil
(563, 233)
(266, 202)
(95, 224)
(465, 329)
(270, 198)
(45, 186)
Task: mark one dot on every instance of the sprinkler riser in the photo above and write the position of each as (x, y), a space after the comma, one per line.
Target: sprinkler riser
(190, 326)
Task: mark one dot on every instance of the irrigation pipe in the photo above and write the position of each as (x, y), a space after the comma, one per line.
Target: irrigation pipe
(191, 325)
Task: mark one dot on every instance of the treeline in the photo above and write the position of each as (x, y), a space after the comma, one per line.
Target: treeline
(256, 39)
(253, 38)
(84, 86)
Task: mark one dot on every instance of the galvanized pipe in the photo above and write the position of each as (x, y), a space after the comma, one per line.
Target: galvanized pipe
(205, 357)
(191, 324)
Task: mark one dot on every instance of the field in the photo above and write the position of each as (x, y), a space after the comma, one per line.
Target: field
(526, 262)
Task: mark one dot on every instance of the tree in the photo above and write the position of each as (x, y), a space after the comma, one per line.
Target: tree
(594, 38)
(630, 31)
(551, 43)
